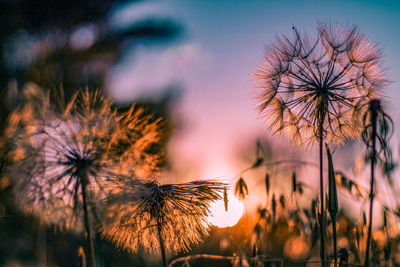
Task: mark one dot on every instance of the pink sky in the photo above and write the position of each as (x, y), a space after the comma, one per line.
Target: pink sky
(214, 64)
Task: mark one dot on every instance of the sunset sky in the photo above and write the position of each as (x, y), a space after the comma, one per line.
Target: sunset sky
(214, 62)
(136, 132)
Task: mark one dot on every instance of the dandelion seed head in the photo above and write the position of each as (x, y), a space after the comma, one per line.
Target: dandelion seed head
(136, 208)
(304, 83)
(59, 148)
(140, 133)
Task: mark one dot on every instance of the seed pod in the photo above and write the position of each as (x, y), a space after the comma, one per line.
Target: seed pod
(364, 219)
(282, 201)
(226, 199)
(241, 190)
(267, 183)
(314, 208)
(300, 186)
(262, 213)
(273, 208)
(294, 182)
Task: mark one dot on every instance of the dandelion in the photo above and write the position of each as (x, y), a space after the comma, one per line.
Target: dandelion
(316, 88)
(313, 88)
(138, 144)
(167, 217)
(69, 154)
(378, 127)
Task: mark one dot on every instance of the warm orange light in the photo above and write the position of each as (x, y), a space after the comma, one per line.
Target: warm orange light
(296, 247)
(221, 218)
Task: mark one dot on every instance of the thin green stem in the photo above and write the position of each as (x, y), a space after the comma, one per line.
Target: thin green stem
(87, 223)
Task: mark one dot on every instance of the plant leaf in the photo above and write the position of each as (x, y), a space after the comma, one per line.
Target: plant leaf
(333, 206)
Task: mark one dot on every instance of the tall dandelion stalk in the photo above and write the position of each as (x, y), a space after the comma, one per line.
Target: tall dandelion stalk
(66, 154)
(314, 89)
(378, 126)
(157, 217)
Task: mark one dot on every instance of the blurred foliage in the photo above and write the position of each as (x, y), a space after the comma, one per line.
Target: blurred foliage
(71, 44)
(286, 226)
(65, 46)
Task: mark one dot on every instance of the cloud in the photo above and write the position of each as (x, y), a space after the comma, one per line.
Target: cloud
(184, 59)
(151, 70)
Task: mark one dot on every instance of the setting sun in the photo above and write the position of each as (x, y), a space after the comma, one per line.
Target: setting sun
(199, 133)
(221, 218)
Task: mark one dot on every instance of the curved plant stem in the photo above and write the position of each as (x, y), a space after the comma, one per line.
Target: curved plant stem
(87, 223)
(162, 247)
(371, 193)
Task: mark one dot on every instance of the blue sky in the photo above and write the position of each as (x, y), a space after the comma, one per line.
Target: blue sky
(223, 42)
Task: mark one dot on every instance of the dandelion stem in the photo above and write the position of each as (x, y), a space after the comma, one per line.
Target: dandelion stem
(254, 255)
(87, 222)
(81, 258)
(334, 239)
(162, 247)
(322, 209)
(371, 193)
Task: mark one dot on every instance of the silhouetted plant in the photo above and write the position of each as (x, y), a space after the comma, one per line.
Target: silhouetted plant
(55, 50)
(140, 133)
(241, 189)
(343, 257)
(267, 184)
(273, 208)
(378, 127)
(316, 89)
(159, 217)
(333, 203)
(66, 154)
(226, 200)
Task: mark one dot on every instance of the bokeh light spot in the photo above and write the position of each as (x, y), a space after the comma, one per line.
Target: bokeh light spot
(221, 218)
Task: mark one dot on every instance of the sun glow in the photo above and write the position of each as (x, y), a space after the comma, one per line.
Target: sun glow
(221, 218)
